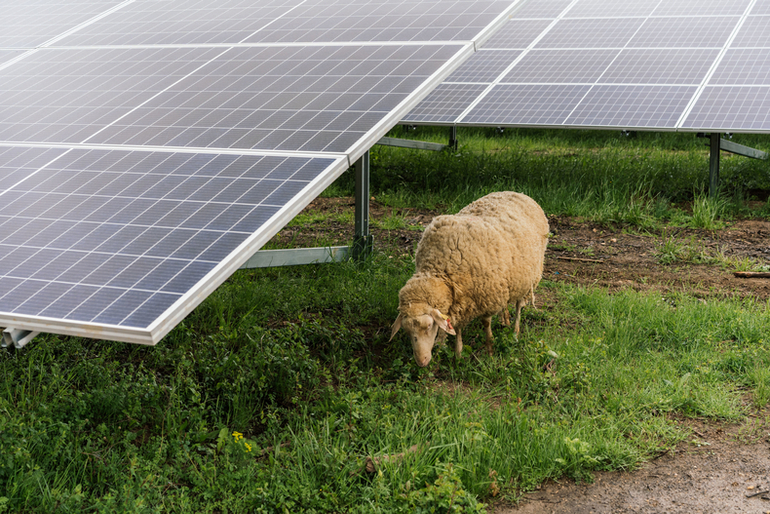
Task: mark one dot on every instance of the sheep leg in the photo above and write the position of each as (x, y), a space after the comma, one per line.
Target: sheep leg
(458, 342)
(488, 331)
(505, 317)
(516, 325)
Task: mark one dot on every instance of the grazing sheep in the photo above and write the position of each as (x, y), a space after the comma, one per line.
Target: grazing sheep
(470, 265)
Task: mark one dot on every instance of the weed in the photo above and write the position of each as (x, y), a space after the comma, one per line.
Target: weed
(707, 212)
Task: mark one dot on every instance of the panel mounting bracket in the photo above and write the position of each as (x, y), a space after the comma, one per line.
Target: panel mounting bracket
(17, 337)
(718, 143)
(411, 143)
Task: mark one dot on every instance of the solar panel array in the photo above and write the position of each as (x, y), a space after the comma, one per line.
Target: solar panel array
(646, 65)
(148, 148)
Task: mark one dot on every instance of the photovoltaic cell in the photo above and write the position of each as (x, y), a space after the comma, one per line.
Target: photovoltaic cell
(548, 9)
(732, 108)
(308, 98)
(517, 34)
(591, 33)
(755, 33)
(631, 106)
(68, 95)
(561, 66)
(702, 8)
(649, 65)
(612, 9)
(487, 66)
(290, 21)
(16, 164)
(7, 55)
(660, 66)
(181, 22)
(99, 236)
(527, 105)
(382, 20)
(761, 7)
(445, 103)
(700, 32)
(743, 66)
(31, 23)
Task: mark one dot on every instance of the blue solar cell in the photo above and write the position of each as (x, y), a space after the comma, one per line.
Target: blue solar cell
(146, 234)
(732, 109)
(526, 105)
(623, 106)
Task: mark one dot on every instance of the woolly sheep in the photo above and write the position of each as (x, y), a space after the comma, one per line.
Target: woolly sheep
(473, 264)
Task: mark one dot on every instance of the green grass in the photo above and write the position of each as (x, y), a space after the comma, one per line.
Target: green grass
(271, 395)
(646, 180)
(314, 388)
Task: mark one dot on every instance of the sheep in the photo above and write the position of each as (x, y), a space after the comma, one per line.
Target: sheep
(473, 265)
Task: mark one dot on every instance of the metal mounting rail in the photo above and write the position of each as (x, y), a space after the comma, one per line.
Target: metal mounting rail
(17, 337)
(411, 143)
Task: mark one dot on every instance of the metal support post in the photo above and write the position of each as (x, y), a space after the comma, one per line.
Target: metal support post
(453, 137)
(362, 241)
(716, 139)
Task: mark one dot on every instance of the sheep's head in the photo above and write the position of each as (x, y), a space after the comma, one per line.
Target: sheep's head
(422, 323)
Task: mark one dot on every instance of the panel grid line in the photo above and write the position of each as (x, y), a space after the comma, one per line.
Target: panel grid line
(598, 80)
(712, 70)
(518, 59)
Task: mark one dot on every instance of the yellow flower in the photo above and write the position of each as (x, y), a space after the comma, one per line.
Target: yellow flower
(238, 436)
(248, 447)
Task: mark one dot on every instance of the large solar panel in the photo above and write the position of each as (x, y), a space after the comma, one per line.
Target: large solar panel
(648, 65)
(148, 148)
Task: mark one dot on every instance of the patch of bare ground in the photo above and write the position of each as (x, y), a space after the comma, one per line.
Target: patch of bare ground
(580, 252)
(722, 468)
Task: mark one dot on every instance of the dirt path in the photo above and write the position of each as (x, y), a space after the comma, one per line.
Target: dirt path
(716, 470)
(720, 470)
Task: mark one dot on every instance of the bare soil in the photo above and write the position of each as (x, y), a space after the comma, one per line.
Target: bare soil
(722, 467)
(581, 252)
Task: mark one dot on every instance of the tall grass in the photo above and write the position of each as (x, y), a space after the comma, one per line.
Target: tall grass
(249, 409)
(603, 176)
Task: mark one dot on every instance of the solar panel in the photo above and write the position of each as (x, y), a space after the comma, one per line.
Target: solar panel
(31, 23)
(645, 65)
(306, 98)
(149, 148)
(446, 103)
(290, 21)
(113, 237)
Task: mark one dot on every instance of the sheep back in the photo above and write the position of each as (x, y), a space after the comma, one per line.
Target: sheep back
(525, 222)
(477, 261)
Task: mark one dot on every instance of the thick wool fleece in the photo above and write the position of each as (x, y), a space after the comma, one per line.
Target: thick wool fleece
(527, 225)
(477, 262)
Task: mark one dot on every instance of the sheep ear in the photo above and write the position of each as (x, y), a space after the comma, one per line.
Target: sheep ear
(444, 322)
(396, 326)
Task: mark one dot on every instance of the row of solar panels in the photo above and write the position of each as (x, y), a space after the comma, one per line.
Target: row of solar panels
(650, 65)
(149, 147)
